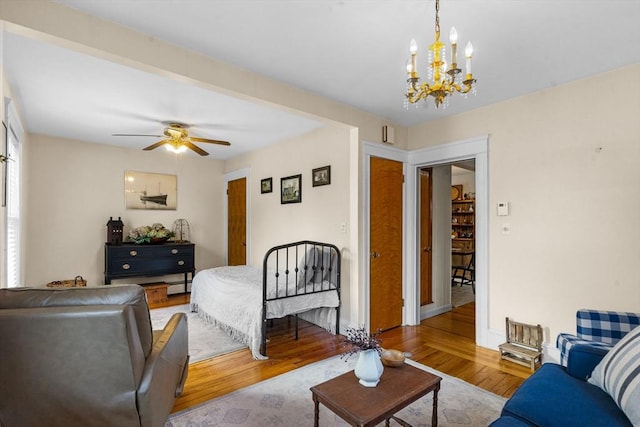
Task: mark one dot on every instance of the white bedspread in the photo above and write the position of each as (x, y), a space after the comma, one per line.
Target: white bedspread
(231, 297)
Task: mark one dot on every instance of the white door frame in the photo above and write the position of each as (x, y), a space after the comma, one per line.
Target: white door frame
(232, 176)
(473, 148)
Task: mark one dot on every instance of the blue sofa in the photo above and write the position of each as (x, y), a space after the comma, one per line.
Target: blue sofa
(553, 397)
(556, 395)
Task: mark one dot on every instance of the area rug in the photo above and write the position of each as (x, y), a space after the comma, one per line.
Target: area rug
(286, 400)
(461, 295)
(205, 340)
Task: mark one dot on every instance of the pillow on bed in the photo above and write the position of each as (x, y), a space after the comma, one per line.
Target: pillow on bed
(325, 259)
(306, 261)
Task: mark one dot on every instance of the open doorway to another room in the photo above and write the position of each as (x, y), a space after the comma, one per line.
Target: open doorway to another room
(447, 245)
(463, 227)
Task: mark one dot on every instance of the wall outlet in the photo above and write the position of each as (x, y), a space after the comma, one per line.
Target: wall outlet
(343, 227)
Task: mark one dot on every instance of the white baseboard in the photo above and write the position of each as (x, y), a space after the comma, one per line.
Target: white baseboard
(426, 313)
(495, 338)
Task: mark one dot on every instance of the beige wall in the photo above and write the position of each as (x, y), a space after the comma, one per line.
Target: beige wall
(73, 189)
(323, 209)
(567, 159)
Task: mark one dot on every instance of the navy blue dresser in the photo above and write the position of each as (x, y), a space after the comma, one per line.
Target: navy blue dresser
(131, 260)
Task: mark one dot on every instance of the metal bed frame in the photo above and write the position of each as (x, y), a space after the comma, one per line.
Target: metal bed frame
(286, 259)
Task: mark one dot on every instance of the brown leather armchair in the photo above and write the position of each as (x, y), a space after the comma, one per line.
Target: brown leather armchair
(87, 357)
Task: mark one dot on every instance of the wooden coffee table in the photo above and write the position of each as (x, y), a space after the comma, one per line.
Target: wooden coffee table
(368, 406)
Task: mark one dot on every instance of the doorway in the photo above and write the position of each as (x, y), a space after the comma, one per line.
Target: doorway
(236, 222)
(463, 233)
(446, 245)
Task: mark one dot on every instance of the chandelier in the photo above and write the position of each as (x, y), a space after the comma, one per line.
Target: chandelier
(442, 81)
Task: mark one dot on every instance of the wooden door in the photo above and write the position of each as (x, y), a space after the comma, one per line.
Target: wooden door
(385, 272)
(237, 222)
(426, 191)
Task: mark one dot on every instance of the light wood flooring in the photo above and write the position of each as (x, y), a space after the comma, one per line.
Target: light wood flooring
(444, 342)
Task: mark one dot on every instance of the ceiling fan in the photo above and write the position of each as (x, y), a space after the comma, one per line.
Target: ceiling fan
(178, 140)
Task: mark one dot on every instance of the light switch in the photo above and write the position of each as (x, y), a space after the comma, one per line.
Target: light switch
(506, 228)
(503, 208)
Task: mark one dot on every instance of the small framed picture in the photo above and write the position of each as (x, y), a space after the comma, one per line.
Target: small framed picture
(321, 176)
(266, 185)
(291, 189)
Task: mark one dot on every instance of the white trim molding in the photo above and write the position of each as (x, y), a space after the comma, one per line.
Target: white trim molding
(473, 148)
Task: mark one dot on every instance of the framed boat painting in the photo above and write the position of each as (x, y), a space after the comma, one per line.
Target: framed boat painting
(152, 191)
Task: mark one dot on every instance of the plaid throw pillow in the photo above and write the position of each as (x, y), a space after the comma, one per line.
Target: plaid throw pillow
(618, 374)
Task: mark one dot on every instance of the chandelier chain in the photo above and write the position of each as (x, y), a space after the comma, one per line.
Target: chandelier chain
(437, 18)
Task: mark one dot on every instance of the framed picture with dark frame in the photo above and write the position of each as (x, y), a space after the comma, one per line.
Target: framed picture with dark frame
(321, 176)
(291, 189)
(266, 185)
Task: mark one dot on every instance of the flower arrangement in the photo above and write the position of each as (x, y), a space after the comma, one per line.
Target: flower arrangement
(149, 233)
(358, 339)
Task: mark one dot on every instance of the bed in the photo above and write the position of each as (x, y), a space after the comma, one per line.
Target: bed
(300, 278)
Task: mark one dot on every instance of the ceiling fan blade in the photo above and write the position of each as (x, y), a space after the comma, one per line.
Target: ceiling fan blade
(134, 134)
(195, 148)
(210, 141)
(156, 145)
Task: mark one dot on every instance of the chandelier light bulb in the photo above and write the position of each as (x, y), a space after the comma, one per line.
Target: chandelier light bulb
(413, 47)
(453, 35)
(468, 51)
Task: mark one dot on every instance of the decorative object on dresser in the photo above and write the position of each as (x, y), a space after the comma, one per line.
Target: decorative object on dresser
(114, 231)
(524, 344)
(149, 234)
(132, 260)
(181, 230)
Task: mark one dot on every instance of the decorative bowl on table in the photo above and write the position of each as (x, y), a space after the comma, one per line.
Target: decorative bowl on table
(392, 358)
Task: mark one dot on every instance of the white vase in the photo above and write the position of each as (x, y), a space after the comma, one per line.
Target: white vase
(369, 368)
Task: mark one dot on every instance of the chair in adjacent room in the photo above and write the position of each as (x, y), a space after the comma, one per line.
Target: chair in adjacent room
(464, 273)
(87, 356)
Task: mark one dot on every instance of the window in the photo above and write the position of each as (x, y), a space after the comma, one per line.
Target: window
(13, 210)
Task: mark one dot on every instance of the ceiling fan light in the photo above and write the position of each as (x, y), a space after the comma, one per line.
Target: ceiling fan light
(177, 149)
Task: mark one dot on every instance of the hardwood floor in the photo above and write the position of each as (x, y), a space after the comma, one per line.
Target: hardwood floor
(445, 342)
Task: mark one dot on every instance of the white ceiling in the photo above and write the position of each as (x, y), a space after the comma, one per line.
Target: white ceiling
(350, 51)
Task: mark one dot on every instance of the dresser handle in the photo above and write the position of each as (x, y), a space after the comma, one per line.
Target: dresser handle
(180, 262)
(126, 266)
(133, 253)
(174, 251)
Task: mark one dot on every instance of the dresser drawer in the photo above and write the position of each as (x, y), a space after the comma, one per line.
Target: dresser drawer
(151, 251)
(128, 266)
